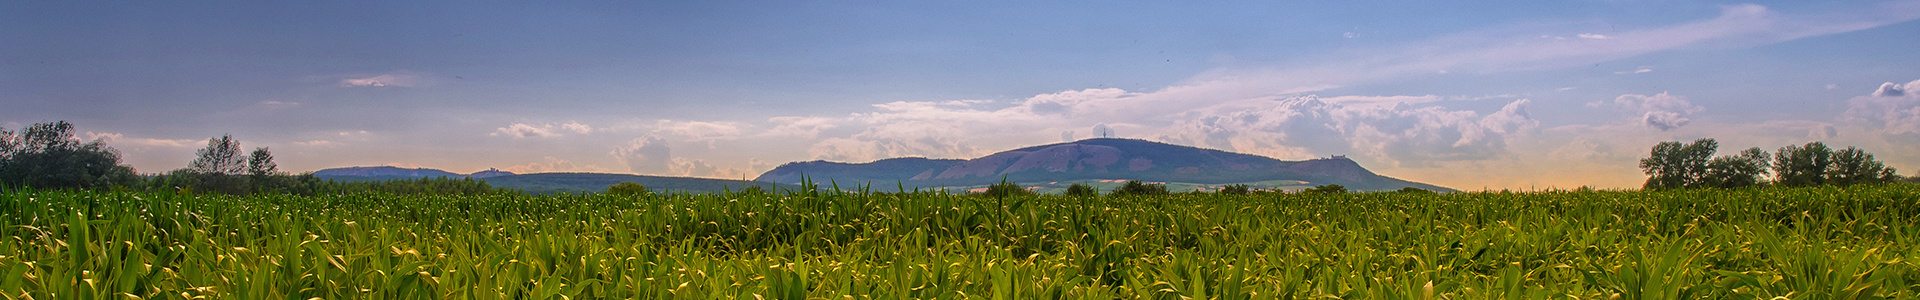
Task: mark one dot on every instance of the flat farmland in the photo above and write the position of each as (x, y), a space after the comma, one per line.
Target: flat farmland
(1817, 243)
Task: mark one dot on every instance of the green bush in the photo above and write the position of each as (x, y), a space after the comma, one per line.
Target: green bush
(1137, 188)
(1326, 189)
(627, 188)
(1005, 189)
(1235, 189)
(1081, 190)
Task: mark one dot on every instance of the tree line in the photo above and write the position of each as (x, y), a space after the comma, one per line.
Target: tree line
(1674, 165)
(49, 156)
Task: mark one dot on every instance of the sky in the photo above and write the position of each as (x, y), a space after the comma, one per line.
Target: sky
(1555, 94)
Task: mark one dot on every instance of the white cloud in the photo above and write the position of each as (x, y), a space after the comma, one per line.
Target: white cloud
(576, 127)
(1592, 36)
(805, 127)
(315, 143)
(113, 139)
(524, 130)
(1892, 109)
(1400, 134)
(699, 130)
(1635, 71)
(691, 167)
(1661, 111)
(551, 164)
(645, 155)
(395, 79)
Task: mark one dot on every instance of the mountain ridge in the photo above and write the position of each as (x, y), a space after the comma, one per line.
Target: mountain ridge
(1094, 159)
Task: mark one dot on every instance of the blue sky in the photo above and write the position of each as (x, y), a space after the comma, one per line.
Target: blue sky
(1514, 95)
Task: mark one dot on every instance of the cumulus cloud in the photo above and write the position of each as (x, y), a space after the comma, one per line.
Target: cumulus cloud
(1661, 111)
(691, 167)
(395, 79)
(1401, 134)
(1891, 109)
(524, 130)
(1101, 130)
(645, 155)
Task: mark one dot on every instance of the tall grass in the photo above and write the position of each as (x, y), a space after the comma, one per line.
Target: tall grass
(1819, 243)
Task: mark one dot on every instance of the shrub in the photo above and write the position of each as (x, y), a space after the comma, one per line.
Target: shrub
(1326, 189)
(1235, 189)
(627, 188)
(1081, 190)
(1135, 187)
(1006, 188)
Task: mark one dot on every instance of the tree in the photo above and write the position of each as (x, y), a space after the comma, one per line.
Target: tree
(1746, 169)
(1235, 189)
(261, 163)
(7, 145)
(627, 188)
(1413, 190)
(1081, 190)
(1676, 165)
(1006, 188)
(1854, 166)
(1802, 165)
(1325, 189)
(221, 156)
(1135, 187)
(47, 155)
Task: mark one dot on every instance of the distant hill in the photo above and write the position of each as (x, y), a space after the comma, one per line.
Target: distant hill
(1097, 160)
(384, 173)
(548, 183)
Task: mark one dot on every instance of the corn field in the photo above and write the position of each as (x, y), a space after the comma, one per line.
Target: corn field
(1860, 242)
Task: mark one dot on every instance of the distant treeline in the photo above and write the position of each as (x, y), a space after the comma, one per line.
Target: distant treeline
(1674, 165)
(49, 156)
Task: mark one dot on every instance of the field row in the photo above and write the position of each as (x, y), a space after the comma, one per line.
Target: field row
(1754, 243)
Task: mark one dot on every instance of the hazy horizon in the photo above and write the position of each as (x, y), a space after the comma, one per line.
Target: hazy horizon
(1516, 95)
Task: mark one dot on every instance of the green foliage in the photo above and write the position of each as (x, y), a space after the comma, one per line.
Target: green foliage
(1674, 165)
(1816, 164)
(1802, 165)
(1235, 189)
(1325, 189)
(1138, 188)
(221, 156)
(48, 156)
(1081, 190)
(261, 163)
(627, 188)
(1797, 243)
(1854, 166)
(1414, 190)
(1741, 170)
(1006, 189)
